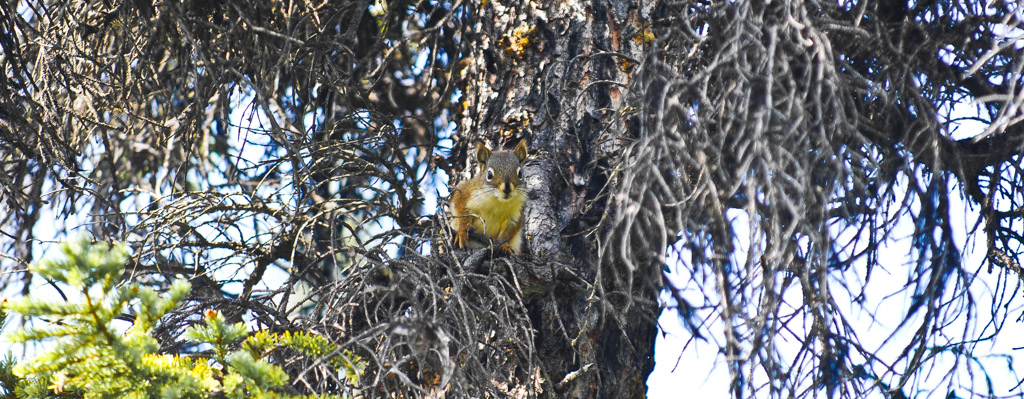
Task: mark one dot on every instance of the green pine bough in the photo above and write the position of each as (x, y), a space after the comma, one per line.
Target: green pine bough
(86, 357)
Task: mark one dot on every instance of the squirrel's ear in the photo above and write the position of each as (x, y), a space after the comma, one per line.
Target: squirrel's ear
(482, 153)
(520, 150)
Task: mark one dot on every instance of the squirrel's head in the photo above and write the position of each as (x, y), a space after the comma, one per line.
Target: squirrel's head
(502, 169)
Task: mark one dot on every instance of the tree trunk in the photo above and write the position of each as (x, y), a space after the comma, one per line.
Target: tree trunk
(555, 73)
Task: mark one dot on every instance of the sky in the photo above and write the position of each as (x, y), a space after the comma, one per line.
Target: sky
(701, 370)
(697, 366)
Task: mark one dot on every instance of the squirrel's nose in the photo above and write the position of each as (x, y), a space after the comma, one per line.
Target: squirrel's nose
(507, 187)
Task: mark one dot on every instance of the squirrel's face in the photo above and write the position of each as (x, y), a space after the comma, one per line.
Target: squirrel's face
(504, 173)
(503, 170)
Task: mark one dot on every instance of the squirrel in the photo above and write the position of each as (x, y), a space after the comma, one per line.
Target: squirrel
(491, 203)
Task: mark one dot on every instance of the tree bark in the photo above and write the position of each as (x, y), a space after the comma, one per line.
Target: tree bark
(555, 73)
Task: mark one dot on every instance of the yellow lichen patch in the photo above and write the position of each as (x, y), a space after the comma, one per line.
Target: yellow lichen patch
(516, 42)
(645, 37)
(515, 123)
(626, 66)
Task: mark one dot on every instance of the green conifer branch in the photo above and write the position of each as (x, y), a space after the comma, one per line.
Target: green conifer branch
(87, 358)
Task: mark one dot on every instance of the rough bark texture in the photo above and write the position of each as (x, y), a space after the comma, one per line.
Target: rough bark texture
(556, 73)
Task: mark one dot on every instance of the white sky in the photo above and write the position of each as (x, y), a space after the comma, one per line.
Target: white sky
(697, 367)
(701, 370)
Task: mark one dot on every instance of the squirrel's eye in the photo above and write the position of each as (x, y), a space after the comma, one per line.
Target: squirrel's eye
(519, 172)
(490, 174)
